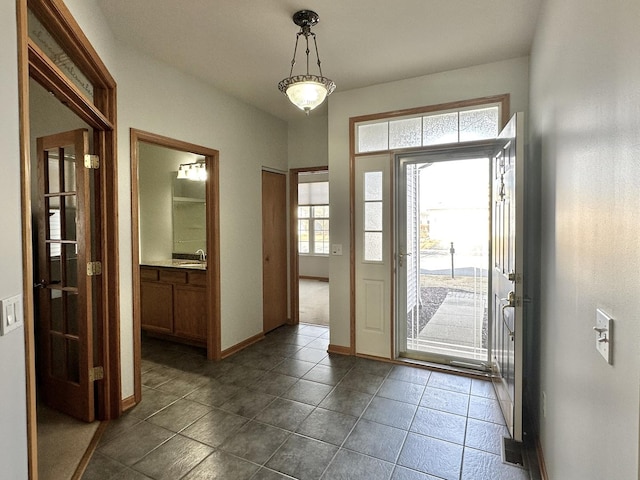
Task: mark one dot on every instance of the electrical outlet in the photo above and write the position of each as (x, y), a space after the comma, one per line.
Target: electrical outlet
(544, 404)
(336, 249)
(11, 313)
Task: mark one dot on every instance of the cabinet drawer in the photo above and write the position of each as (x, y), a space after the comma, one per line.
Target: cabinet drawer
(173, 276)
(149, 274)
(198, 278)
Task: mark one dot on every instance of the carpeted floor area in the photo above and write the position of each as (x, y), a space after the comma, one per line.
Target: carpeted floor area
(62, 441)
(314, 302)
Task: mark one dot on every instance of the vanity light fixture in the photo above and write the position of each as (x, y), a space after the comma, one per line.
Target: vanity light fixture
(193, 171)
(306, 91)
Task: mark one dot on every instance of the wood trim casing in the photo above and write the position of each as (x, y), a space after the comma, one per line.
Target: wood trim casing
(213, 244)
(293, 248)
(339, 350)
(27, 246)
(102, 116)
(502, 99)
(242, 345)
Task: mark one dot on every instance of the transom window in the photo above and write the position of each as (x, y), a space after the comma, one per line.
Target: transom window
(420, 130)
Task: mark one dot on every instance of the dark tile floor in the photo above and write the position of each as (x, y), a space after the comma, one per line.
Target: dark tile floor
(284, 408)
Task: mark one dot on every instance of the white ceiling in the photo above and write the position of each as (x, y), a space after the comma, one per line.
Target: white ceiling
(244, 47)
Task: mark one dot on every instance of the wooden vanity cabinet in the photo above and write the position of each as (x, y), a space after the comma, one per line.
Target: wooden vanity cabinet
(174, 303)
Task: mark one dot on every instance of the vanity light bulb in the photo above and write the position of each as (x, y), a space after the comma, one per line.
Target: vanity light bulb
(202, 173)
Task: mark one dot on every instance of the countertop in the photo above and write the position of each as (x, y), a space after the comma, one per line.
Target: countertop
(188, 264)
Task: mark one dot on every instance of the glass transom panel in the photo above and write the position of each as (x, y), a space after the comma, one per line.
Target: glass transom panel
(405, 133)
(43, 39)
(424, 130)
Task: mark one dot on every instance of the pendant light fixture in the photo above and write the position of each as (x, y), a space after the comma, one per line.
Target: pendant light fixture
(306, 91)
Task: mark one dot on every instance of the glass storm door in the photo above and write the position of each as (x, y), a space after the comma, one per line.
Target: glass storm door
(65, 320)
(442, 256)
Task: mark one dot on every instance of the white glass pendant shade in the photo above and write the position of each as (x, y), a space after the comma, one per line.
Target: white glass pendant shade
(306, 91)
(307, 95)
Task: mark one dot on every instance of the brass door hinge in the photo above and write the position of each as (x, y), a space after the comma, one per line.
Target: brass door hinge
(96, 373)
(91, 161)
(94, 268)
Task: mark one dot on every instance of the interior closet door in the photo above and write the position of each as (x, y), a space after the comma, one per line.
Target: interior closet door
(274, 250)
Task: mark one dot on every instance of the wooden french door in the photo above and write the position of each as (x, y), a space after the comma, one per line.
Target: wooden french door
(65, 320)
(507, 272)
(274, 250)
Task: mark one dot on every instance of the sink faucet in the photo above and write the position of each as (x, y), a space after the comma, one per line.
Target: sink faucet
(203, 255)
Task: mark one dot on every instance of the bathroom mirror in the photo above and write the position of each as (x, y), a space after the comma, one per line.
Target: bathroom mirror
(189, 217)
(172, 210)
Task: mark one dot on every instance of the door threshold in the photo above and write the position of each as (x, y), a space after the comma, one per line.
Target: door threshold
(454, 369)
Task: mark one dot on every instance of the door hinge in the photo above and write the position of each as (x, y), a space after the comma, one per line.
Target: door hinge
(94, 268)
(91, 161)
(96, 373)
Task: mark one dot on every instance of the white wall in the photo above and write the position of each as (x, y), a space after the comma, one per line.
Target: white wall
(307, 141)
(159, 99)
(585, 128)
(509, 76)
(13, 415)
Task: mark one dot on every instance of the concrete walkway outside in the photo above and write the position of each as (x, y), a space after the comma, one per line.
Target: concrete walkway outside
(457, 324)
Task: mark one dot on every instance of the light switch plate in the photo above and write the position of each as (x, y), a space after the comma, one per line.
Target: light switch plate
(11, 313)
(603, 331)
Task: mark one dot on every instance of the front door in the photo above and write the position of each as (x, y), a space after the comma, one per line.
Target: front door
(274, 250)
(507, 272)
(65, 323)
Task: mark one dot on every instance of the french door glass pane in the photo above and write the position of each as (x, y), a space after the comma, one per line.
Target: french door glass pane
(57, 313)
(53, 171)
(69, 168)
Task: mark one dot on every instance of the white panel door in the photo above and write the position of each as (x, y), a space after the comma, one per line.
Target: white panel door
(507, 272)
(373, 255)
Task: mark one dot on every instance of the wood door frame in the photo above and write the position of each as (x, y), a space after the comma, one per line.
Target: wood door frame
(502, 99)
(294, 270)
(213, 245)
(99, 113)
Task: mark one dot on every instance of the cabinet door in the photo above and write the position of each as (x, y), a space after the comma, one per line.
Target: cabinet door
(190, 312)
(156, 307)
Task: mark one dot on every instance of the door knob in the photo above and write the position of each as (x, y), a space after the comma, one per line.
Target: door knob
(401, 257)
